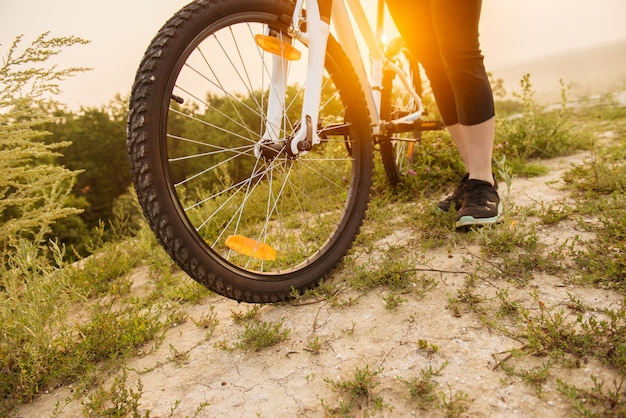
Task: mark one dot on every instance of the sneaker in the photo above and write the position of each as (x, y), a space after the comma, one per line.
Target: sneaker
(456, 198)
(481, 205)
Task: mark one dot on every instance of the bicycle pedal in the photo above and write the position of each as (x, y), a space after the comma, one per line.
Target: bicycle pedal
(428, 125)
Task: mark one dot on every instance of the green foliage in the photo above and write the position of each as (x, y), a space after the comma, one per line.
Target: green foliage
(603, 174)
(260, 334)
(601, 400)
(454, 403)
(601, 184)
(535, 133)
(364, 381)
(422, 388)
(435, 164)
(605, 262)
(359, 391)
(98, 151)
(117, 402)
(42, 345)
(33, 299)
(33, 189)
(110, 333)
(45, 192)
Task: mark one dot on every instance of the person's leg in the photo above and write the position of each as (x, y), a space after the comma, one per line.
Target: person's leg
(443, 35)
(457, 132)
(456, 27)
(414, 22)
(477, 143)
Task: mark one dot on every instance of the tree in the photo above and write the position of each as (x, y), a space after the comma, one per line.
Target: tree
(33, 190)
(98, 150)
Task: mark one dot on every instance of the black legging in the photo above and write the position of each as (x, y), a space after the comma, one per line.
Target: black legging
(443, 35)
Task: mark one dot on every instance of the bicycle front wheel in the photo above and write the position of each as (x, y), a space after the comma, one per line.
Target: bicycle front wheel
(251, 226)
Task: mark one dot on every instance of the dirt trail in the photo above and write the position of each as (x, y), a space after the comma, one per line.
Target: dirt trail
(291, 380)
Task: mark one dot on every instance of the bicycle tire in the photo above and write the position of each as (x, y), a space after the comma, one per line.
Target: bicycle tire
(396, 153)
(196, 175)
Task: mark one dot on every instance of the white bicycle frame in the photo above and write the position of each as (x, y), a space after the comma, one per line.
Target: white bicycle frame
(316, 36)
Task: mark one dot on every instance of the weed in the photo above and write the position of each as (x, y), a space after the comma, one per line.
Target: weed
(393, 272)
(223, 345)
(603, 184)
(603, 174)
(535, 133)
(259, 335)
(597, 401)
(365, 380)
(314, 345)
(208, 321)
(324, 291)
(177, 356)
(604, 337)
(555, 212)
(507, 237)
(537, 376)
(116, 402)
(108, 334)
(248, 315)
(549, 332)
(184, 290)
(454, 403)
(359, 390)
(177, 316)
(506, 306)
(428, 347)
(351, 330)
(343, 410)
(605, 262)
(435, 227)
(435, 164)
(102, 273)
(392, 301)
(467, 298)
(422, 388)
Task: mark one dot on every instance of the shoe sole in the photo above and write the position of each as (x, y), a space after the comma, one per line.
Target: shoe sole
(466, 221)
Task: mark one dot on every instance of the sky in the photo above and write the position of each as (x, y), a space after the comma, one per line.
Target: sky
(512, 32)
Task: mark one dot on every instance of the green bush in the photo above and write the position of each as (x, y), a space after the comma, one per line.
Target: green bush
(33, 190)
(536, 132)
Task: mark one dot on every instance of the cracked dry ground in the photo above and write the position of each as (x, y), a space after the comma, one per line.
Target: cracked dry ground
(291, 380)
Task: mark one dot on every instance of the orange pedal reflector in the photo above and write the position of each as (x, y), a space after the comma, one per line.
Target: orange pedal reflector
(248, 246)
(276, 46)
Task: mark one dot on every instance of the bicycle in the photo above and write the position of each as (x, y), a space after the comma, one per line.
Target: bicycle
(257, 185)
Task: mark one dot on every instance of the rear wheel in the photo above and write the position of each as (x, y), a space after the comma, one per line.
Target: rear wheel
(397, 149)
(251, 227)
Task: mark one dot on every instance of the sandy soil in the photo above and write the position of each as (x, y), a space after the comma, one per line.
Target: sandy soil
(292, 380)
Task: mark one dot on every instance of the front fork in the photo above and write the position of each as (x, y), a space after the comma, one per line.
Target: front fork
(317, 22)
